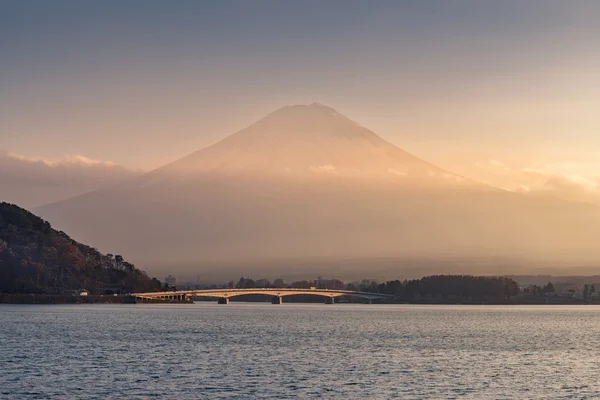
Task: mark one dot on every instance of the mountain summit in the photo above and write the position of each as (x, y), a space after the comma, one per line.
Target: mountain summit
(306, 140)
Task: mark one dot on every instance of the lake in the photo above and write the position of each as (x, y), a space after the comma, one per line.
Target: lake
(255, 350)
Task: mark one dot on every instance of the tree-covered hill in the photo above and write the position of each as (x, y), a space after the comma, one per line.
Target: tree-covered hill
(34, 258)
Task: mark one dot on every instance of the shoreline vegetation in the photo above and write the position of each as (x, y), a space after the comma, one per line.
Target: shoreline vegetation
(437, 289)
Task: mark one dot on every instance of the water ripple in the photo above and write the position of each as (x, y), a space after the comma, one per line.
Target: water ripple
(298, 351)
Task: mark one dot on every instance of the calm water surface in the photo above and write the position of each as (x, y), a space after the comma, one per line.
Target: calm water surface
(298, 351)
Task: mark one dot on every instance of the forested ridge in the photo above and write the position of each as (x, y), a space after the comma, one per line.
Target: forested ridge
(35, 258)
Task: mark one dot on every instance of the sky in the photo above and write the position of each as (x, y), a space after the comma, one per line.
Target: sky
(504, 92)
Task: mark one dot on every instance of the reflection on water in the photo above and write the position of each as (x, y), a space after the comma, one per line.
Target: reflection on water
(246, 350)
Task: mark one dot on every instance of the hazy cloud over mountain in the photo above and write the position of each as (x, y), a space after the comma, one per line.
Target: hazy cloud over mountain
(569, 180)
(68, 160)
(33, 181)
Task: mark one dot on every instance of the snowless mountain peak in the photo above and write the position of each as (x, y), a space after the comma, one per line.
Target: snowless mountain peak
(307, 140)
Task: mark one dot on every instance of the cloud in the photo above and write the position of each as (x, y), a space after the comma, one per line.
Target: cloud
(396, 172)
(568, 184)
(567, 179)
(565, 172)
(67, 160)
(33, 181)
(323, 168)
(495, 163)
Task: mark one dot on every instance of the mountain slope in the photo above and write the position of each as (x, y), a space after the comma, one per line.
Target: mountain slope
(34, 258)
(306, 182)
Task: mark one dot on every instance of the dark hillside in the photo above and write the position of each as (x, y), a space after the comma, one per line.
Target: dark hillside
(34, 258)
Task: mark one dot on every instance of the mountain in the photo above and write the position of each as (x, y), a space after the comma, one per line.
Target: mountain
(34, 258)
(305, 188)
(33, 183)
(304, 140)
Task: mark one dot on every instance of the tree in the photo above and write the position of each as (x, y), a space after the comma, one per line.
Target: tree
(549, 288)
(245, 283)
(263, 283)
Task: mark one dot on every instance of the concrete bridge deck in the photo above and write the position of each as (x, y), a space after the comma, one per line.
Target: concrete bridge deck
(223, 295)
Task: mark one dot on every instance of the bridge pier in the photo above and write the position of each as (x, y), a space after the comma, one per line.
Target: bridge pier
(277, 300)
(330, 300)
(223, 300)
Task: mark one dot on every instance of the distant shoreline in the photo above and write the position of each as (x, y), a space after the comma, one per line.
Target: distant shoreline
(23, 298)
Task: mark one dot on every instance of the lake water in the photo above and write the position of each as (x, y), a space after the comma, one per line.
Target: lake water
(253, 350)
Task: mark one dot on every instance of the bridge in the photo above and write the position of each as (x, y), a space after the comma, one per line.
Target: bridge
(223, 295)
